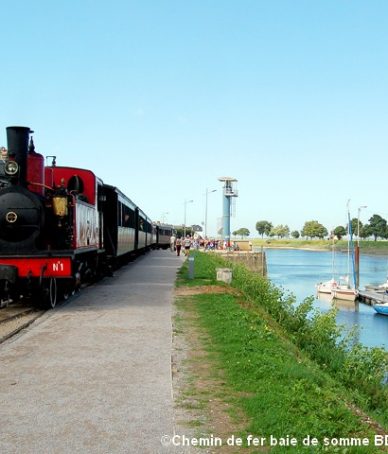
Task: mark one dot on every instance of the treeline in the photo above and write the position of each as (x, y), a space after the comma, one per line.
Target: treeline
(376, 227)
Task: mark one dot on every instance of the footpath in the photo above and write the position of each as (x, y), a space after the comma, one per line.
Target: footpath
(94, 376)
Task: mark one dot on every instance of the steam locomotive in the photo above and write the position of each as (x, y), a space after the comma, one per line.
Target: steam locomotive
(62, 226)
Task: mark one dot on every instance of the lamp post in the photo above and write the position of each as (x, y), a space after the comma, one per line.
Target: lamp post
(184, 219)
(357, 249)
(163, 217)
(358, 224)
(206, 194)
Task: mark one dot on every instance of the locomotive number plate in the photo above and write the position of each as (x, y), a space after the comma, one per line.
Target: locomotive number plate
(35, 267)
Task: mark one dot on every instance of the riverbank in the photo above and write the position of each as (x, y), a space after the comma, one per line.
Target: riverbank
(276, 376)
(366, 247)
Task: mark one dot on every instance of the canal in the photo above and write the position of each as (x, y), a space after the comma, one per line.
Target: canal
(298, 271)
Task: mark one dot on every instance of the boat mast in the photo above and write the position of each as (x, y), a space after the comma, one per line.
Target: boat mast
(350, 248)
(349, 228)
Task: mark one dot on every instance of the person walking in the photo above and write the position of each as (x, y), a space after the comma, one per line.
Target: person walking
(178, 246)
(187, 245)
(172, 243)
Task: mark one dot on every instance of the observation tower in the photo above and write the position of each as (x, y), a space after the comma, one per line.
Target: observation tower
(228, 193)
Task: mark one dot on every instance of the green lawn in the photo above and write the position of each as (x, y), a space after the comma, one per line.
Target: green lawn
(277, 371)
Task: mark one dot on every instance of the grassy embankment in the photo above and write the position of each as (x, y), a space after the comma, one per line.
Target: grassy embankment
(366, 247)
(286, 370)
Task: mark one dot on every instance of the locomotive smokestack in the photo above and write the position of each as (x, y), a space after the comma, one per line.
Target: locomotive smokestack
(17, 137)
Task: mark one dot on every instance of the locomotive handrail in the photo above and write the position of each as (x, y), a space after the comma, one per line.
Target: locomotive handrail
(42, 185)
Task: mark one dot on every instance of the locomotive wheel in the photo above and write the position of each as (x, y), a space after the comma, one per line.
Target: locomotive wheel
(49, 293)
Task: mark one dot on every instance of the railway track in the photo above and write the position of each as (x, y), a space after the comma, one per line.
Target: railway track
(16, 317)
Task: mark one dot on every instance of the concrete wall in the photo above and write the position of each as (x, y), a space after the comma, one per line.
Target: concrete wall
(254, 261)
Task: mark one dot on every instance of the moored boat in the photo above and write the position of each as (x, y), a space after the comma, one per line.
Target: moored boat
(345, 293)
(326, 287)
(381, 308)
(382, 288)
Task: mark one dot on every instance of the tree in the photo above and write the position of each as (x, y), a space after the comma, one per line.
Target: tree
(364, 231)
(339, 231)
(377, 226)
(242, 232)
(295, 234)
(313, 229)
(280, 231)
(263, 227)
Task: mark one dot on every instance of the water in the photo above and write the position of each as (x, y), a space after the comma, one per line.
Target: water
(298, 271)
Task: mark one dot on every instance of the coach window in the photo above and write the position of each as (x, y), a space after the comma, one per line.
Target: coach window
(126, 214)
(131, 221)
(119, 217)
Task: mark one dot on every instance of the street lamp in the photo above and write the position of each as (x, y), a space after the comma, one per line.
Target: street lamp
(206, 194)
(184, 219)
(163, 217)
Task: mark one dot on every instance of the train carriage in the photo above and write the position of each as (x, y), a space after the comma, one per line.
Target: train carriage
(163, 235)
(119, 227)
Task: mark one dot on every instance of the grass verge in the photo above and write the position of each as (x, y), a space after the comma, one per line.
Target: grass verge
(284, 390)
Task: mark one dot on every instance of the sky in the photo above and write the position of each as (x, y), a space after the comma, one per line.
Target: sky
(162, 97)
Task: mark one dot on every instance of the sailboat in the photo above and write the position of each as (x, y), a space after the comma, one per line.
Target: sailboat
(344, 290)
(327, 286)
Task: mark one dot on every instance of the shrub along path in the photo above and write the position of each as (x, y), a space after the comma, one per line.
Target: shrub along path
(249, 377)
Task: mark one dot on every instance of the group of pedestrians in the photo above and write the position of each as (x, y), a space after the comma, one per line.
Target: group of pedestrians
(177, 243)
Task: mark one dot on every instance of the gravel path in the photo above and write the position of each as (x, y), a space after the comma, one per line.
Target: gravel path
(94, 376)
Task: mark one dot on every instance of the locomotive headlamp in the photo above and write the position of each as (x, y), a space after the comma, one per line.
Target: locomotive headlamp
(60, 206)
(11, 217)
(11, 168)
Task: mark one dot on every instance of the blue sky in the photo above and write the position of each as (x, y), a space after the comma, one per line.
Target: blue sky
(160, 98)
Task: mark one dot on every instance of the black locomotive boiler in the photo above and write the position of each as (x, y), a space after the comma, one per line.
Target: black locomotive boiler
(62, 226)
